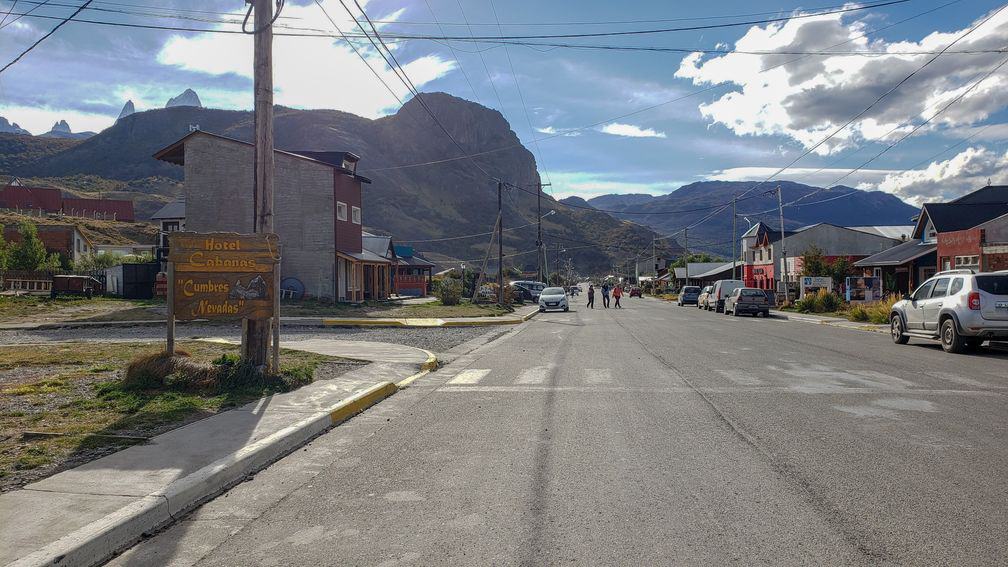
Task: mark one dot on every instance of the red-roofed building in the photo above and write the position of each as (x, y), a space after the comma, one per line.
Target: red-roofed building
(21, 197)
(109, 209)
(50, 200)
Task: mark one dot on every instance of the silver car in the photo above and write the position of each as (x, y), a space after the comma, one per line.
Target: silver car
(553, 298)
(957, 307)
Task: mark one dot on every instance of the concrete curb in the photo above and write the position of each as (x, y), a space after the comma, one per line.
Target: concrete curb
(426, 368)
(839, 323)
(100, 540)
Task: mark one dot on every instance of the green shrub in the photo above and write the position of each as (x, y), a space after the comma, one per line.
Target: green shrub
(822, 301)
(873, 312)
(449, 291)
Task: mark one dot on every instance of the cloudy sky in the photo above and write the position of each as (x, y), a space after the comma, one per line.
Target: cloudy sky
(663, 118)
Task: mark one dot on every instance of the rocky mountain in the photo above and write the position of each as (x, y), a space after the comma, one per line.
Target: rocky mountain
(840, 205)
(62, 130)
(127, 109)
(188, 97)
(414, 203)
(11, 128)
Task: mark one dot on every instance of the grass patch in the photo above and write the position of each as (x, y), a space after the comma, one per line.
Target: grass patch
(83, 393)
(30, 308)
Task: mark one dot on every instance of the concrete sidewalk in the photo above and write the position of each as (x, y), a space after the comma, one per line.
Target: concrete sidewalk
(519, 316)
(831, 321)
(84, 515)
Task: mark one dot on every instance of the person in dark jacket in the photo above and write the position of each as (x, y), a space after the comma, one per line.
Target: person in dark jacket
(605, 295)
(591, 296)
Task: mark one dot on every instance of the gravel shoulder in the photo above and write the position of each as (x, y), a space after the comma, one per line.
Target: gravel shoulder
(434, 339)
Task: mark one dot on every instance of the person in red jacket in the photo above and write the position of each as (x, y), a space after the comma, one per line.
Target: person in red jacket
(617, 293)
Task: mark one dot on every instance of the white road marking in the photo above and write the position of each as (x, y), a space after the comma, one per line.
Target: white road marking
(534, 375)
(471, 376)
(598, 375)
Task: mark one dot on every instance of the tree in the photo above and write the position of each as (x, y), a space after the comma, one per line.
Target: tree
(814, 264)
(30, 253)
(4, 251)
(692, 258)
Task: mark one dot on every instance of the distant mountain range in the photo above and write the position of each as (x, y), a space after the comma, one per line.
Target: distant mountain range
(667, 214)
(430, 204)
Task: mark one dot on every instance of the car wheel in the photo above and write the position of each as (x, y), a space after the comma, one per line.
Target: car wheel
(896, 330)
(766, 313)
(951, 340)
(566, 309)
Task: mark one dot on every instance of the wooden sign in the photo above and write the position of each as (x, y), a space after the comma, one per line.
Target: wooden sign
(223, 275)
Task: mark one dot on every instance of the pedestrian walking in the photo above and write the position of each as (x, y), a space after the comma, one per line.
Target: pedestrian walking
(591, 296)
(617, 293)
(605, 295)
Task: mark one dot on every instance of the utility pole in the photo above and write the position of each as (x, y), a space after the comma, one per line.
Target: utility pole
(541, 254)
(654, 256)
(500, 245)
(734, 236)
(255, 340)
(686, 252)
(780, 209)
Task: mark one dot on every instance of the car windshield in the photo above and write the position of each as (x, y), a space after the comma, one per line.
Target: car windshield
(995, 285)
(553, 291)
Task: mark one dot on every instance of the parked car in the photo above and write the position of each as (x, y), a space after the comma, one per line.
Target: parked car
(957, 307)
(635, 291)
(574, 290)
(705, 294)
(75, 285)
(689, 295)
(533, 289)
(721, 290)
(553, 298)
(747, 300)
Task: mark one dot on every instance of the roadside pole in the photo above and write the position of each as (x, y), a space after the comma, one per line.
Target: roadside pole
(780, 209)
(170, 347)
(734, 236)
(500, 245)
(686, 254)
(256, 338)
(539, 249)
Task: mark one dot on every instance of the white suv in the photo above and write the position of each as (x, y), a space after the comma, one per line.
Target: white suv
(957, 307)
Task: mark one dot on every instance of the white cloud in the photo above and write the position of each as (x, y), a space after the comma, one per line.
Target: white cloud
(551, 131)
(588, 185)
(944, 180)
(630, 131)
(308, 72)
(806, 98)
(40, 119)
(806, 175)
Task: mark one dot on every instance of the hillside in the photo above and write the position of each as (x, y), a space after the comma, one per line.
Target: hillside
(691, 203)
(99, 231)
(435, 201)
(19, 150)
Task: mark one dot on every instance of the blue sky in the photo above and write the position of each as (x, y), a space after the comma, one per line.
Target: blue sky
(753, 121)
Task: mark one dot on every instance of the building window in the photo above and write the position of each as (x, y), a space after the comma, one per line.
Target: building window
(877, 273)
(341, 211)
(355, 211)
(967, 262)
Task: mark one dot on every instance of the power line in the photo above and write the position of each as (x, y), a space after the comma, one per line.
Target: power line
(43, 38)
(751, 22)
(568, 131)
(454, 55)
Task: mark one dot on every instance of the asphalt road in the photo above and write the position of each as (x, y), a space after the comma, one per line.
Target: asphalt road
(647, 435)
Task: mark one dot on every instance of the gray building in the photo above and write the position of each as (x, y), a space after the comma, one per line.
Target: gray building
(315, 193)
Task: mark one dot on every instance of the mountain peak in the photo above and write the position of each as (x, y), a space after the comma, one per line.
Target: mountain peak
(188, 97)
(11, 127)
(127, 109)
(62, 130)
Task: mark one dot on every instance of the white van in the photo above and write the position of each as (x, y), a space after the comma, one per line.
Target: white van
(722, 289)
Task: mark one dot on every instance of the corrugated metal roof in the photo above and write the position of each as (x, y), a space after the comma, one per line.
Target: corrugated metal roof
(893, 231)
(697, 268)
(897, 255)
(174, 210)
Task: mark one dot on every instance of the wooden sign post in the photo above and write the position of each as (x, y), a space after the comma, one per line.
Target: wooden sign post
(222, 275)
